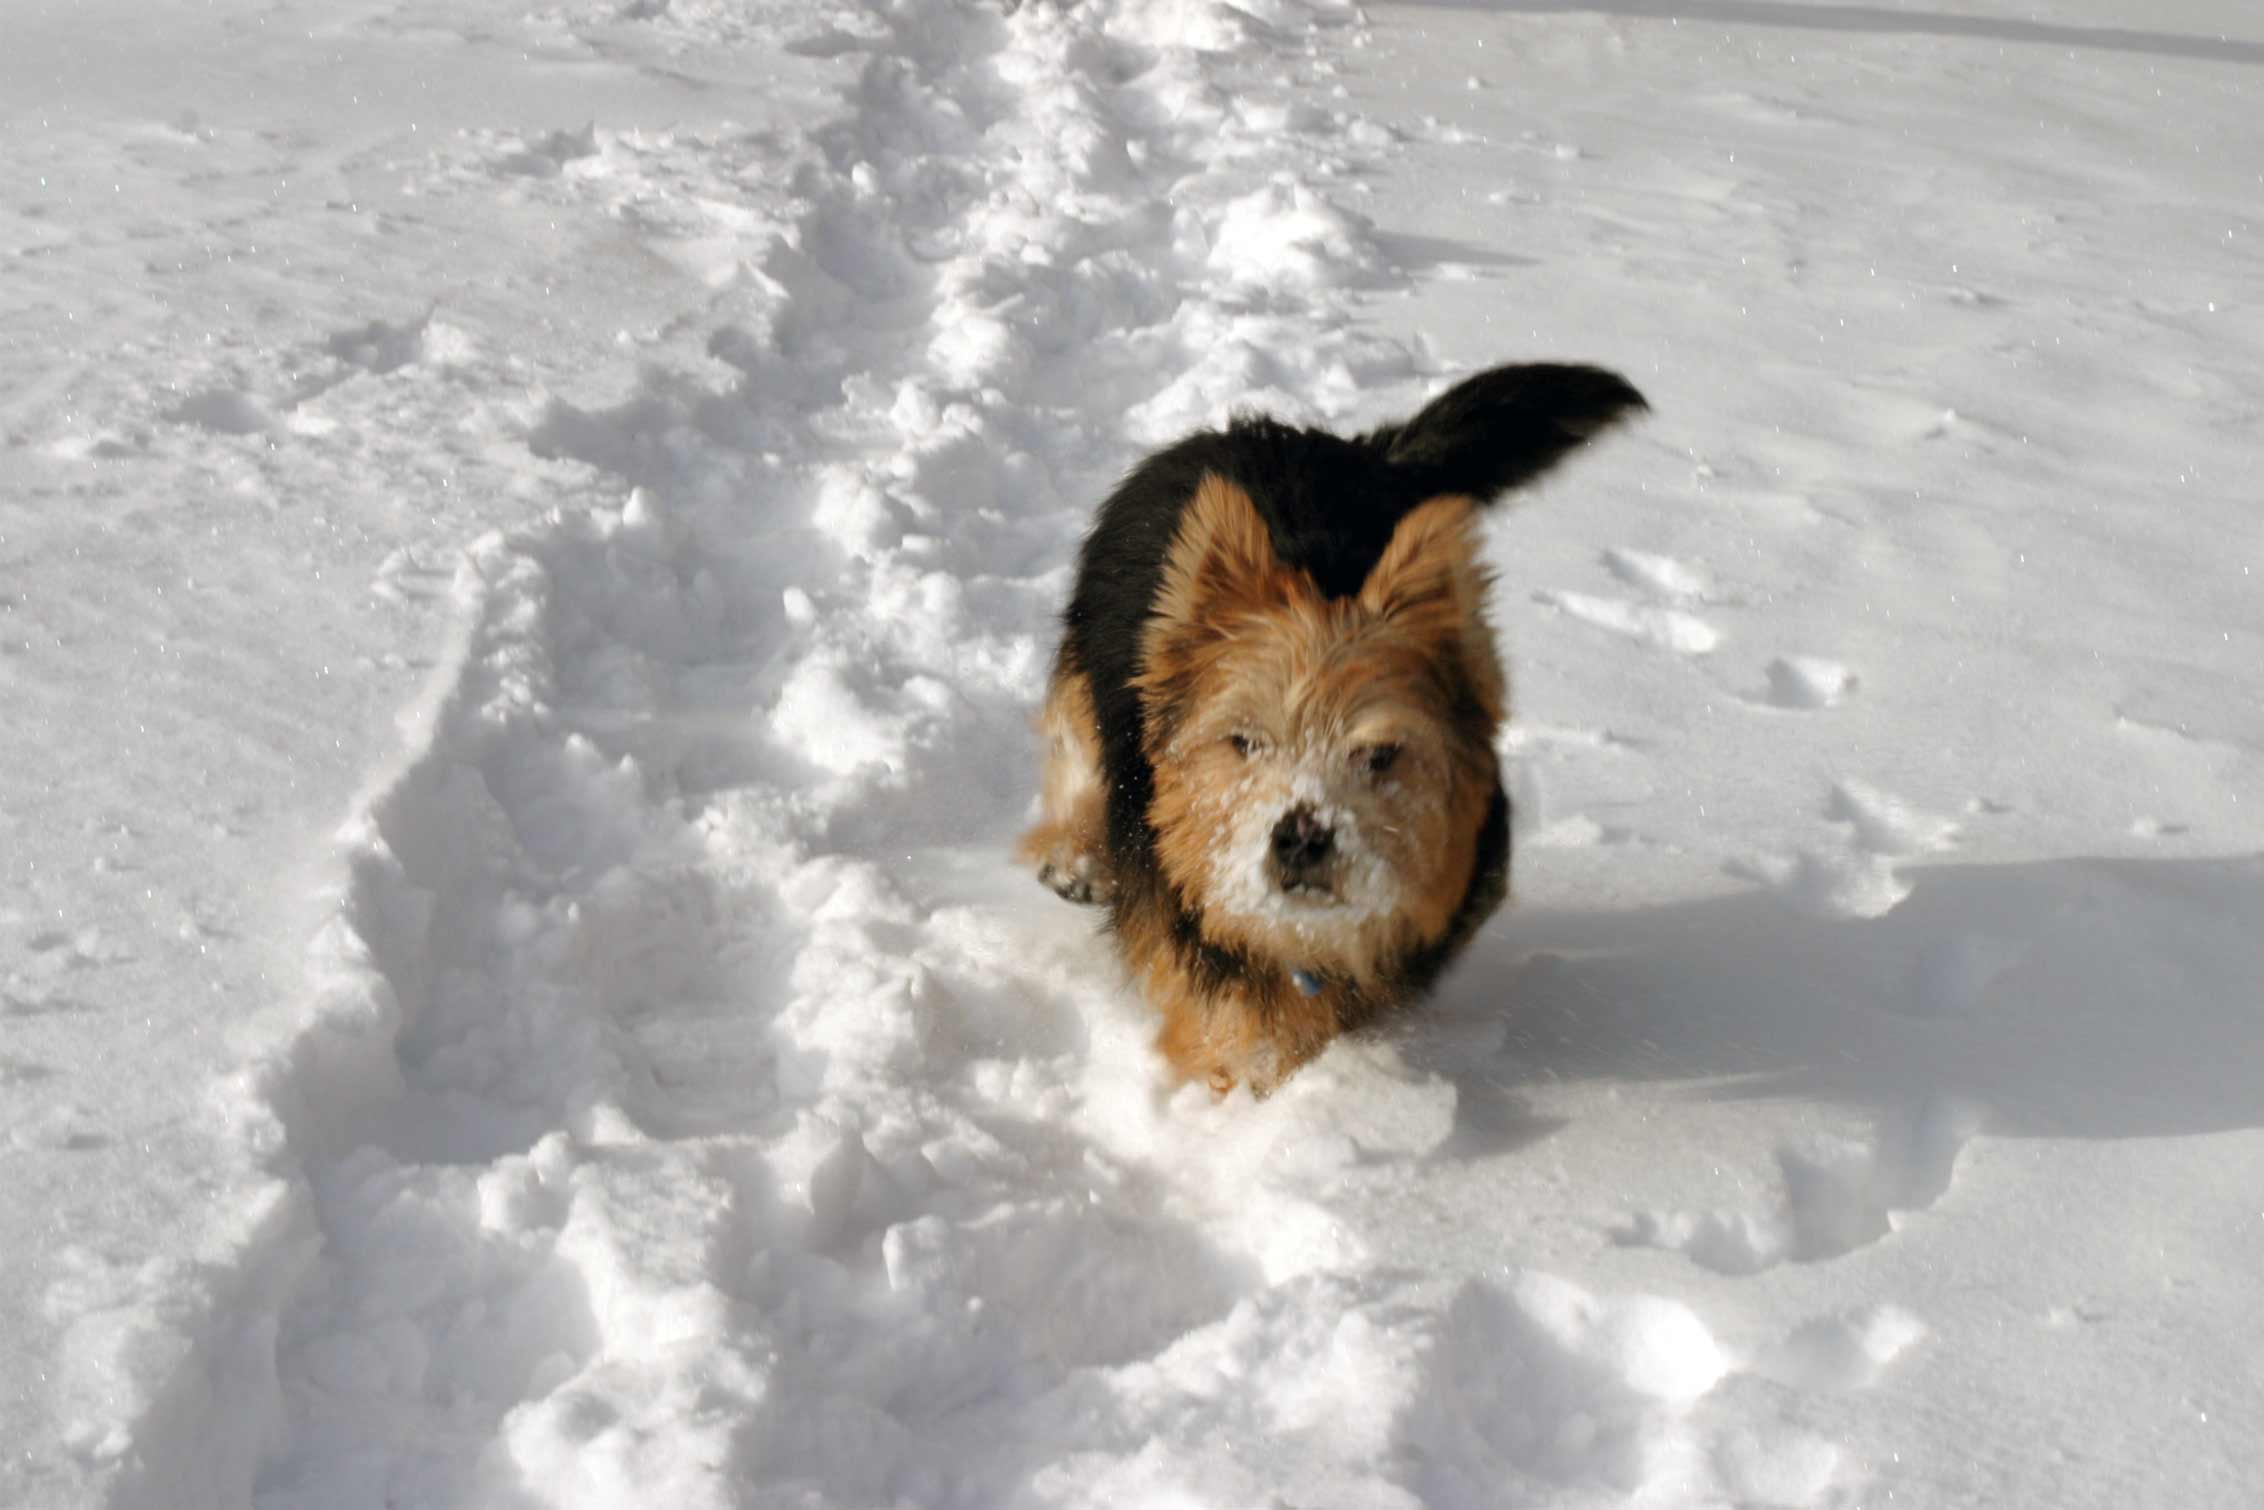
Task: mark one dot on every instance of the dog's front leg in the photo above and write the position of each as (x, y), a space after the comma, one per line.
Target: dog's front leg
(1256, 1034)
(1068, 845)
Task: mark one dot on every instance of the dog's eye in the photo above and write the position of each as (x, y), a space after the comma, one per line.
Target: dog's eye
(1377, 759)
(1243, 744)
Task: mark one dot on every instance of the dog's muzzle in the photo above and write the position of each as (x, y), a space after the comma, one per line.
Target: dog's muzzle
(1304, 853)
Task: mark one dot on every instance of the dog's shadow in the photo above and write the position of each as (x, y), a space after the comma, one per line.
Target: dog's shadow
(2070, 998)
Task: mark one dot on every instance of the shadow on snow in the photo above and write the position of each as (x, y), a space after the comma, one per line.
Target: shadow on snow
(2069, 998)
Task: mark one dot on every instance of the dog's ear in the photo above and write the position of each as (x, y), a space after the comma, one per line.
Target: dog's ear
(1428, 579)
(1221, 569)
(1221, 565)
(1429, 585)
(1503, 428)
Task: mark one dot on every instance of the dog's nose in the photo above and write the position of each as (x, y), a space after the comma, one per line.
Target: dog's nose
(1302, 844)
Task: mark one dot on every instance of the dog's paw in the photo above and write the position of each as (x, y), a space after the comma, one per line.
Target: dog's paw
(1073, 871)
(1076, 878)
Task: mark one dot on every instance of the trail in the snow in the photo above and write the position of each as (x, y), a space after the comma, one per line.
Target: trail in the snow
(667, 1136)
(694, 1110)
(692, 1106)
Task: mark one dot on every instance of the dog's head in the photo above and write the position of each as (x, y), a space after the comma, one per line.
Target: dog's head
(1323, 760)
(1322, 765)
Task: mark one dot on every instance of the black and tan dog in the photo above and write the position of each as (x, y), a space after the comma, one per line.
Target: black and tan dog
(1269, 738)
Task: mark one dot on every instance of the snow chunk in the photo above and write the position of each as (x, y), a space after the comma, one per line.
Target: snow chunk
(1290, 235)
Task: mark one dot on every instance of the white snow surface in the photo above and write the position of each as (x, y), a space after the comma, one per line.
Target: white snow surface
(530, 536)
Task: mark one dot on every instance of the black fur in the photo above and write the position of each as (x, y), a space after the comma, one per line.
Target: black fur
(1330, 504)
(1503, 428)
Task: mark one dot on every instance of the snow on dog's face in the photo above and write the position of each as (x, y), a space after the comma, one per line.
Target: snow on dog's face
(1322, 765)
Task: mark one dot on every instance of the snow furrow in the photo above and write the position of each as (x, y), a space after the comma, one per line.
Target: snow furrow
(693, 1109)
(684, 1102)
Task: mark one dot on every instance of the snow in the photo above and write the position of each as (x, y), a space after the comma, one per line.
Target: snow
(529, 539)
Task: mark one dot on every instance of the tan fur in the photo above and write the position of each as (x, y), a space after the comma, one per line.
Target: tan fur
(1241, 647)
(1068, 844)
(1242, 1034)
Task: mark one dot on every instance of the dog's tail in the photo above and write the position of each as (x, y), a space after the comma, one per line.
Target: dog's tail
(1505, 427)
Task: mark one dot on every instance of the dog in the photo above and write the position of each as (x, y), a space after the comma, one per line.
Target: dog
(1268, 738)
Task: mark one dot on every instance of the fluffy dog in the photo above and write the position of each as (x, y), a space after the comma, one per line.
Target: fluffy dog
(1269, 736)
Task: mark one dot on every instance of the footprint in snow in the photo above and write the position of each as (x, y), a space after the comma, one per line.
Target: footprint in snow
(1859, 881)
(547, 155)
(380, 346)
(1835, 1197)
(224, 411)
(1646, 624)
(1806, 683)
(1661, 576)
(1885, 824)
(1844, 1352)
(15, 1070)
(67, 1128)
(1828, 884)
